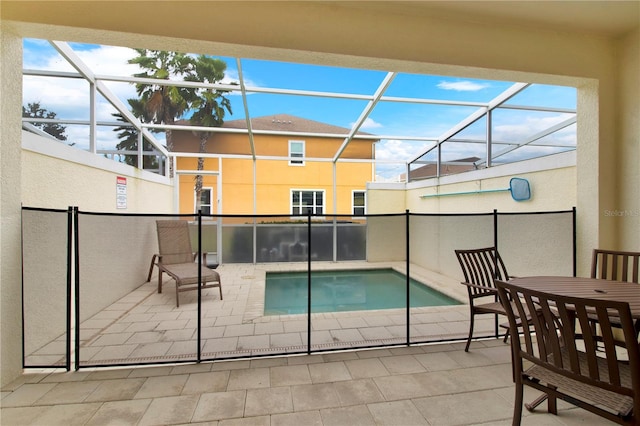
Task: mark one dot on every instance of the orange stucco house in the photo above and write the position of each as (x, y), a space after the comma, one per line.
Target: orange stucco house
(288, 165)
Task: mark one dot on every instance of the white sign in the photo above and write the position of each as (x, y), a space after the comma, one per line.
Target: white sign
(121, 192)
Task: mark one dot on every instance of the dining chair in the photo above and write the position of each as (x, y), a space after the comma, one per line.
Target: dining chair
(552, 357)
(481, 267)
(176, 258)
(617, 265)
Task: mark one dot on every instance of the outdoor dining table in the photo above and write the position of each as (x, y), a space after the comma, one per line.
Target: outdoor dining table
(591, 288)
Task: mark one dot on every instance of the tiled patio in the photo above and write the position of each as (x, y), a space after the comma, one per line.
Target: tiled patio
(435, 384)
(146, 326)
(417, 385)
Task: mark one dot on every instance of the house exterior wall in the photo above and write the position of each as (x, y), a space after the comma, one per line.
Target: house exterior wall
(274, 178)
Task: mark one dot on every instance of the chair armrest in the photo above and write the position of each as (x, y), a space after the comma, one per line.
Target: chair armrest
(204, 258)
(480, 287)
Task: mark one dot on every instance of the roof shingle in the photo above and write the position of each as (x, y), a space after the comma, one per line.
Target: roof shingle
(290, 123)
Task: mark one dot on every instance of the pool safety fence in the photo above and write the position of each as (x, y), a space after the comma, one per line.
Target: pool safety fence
(90, 288)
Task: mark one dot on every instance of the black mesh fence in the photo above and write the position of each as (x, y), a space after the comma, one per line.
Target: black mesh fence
(289, 284)
(46, 287)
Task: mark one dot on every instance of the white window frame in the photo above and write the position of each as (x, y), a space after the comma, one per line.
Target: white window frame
(204, 188)
(353, 205)
(296, 154)
(300, 206)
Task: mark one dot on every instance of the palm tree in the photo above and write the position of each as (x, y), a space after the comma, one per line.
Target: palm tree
(208, 104)
(128, 136)
(35, 110)
(162, 104)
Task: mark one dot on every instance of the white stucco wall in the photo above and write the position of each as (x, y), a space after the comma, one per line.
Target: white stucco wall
(528, 242)
(10, 198)
(626, 211)
(57, 176)
(552, 182)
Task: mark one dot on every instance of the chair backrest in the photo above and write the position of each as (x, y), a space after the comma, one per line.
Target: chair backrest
(481, 267)
(559, 338)
(174, 243)
(615, 265)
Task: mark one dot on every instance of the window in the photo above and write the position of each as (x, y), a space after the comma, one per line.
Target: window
(205, 200)
(296, 150)
(304, 202)
(359, 203)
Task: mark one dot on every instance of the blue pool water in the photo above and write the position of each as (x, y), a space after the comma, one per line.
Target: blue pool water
(353, 290)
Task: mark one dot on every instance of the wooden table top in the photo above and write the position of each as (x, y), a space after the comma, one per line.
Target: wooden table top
(591, 288)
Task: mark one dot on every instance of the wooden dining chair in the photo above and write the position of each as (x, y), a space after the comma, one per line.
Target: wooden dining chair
(617, 265)
(552, 357)
(481, 267)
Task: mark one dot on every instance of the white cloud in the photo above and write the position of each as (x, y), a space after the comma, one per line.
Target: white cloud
(401, 151)
(69, 98)
(462, 86)
(526, 127)
(369, 124)
(109, 60)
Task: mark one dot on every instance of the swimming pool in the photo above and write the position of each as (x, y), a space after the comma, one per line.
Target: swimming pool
(352, 290)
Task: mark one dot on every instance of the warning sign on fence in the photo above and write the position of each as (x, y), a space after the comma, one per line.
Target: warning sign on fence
(121, 192)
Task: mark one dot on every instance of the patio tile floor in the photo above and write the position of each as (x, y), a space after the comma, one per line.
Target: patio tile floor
(436, 384)
(428, 384)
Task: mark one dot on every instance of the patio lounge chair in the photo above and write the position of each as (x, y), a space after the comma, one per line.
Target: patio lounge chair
(567, 364)
(481, 267)
(177, 259)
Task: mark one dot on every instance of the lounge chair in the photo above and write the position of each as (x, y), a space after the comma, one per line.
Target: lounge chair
(176, 258)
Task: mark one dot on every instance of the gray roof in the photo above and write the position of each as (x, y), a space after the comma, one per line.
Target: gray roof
(290, 123)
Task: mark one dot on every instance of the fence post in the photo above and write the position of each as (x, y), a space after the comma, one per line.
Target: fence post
(76, 240)
(308, 282)
(408, 278)
(69, 283)
(575, 244)
(495, 261)
(199, 321)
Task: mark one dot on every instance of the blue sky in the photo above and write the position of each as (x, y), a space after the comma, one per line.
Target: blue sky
(69, 98)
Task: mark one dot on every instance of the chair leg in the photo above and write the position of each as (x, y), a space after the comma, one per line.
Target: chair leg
(533, 404)
(159, 280)
(506, 336)
(466, 348)
(552, 404)
(177, 295)
(517, 407)
(153, 263)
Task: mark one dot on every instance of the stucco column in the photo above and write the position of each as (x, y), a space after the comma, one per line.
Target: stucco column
(587, 174)
(10, 195)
